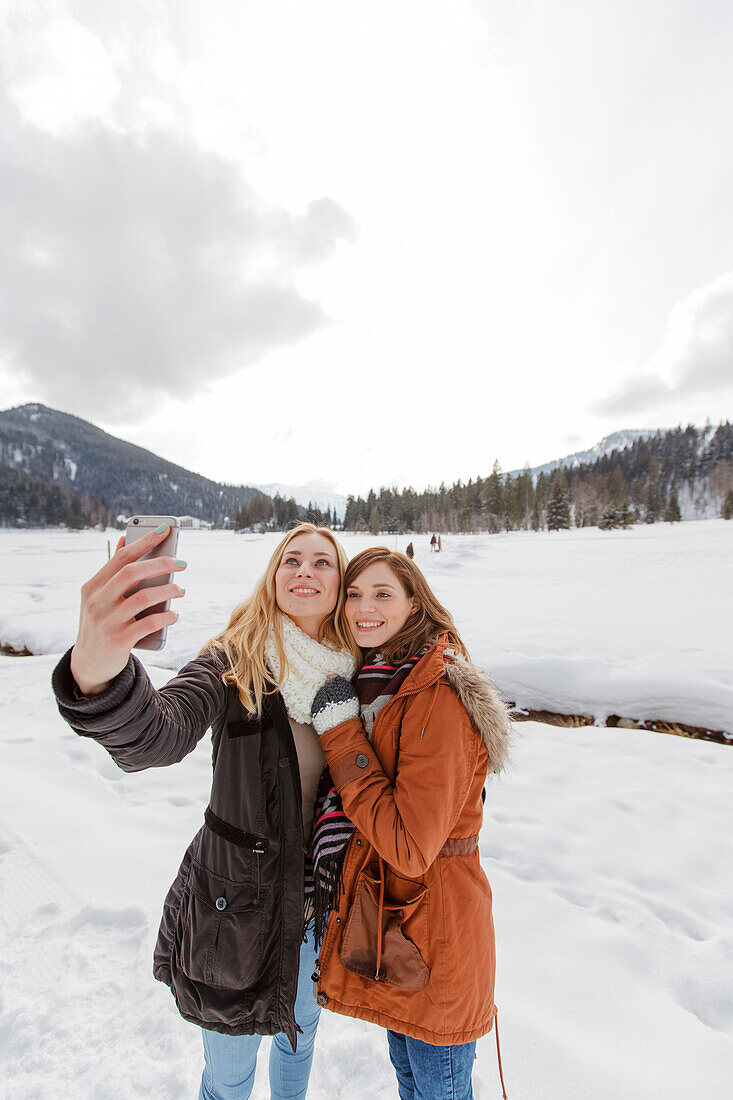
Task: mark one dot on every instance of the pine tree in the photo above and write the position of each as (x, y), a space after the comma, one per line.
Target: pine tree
(75, 518)
(495, 493)
(542, 492)
(558, 506)
(619, 488)
(627, 516)
(511, 505)
(673, 513)
(653, 498)
(351, 515)
(526, 497)
(727, 511)
(374, 523)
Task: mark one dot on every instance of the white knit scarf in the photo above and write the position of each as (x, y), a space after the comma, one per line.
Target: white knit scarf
(309, 663)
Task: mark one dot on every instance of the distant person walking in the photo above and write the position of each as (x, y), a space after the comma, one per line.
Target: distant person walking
(410, 551)
(433, 542)
(440, 545)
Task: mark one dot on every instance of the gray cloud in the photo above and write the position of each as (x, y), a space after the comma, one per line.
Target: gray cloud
(696, 357)
(704, 361)
(311, 237)
(134, 264)
(638, 394)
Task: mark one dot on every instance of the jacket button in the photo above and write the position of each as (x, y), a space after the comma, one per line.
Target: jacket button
(322, 1000)
(221, 903)
(362, 760)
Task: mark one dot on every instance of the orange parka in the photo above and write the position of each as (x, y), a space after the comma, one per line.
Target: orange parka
(411, 944)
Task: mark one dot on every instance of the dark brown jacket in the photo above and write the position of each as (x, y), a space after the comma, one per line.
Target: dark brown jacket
(411, 946)
(230, 936)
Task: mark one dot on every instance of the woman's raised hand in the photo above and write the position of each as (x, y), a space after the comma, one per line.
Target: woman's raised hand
(108, 629)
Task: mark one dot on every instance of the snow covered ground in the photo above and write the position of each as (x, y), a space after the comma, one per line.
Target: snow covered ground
(608, 850)
(634, 623)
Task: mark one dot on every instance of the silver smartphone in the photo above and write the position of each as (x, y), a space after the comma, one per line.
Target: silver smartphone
(137, 526)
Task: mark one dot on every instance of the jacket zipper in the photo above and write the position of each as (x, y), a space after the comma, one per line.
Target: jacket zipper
(294, 769)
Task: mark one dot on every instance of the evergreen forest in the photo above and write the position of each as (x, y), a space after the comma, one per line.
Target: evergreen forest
(57, 470)
(647, 482)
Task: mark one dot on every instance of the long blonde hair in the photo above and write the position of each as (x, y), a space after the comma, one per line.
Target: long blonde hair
(425, 624)
(241, 645)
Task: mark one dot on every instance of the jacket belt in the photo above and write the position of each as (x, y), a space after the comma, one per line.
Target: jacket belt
(460, 846)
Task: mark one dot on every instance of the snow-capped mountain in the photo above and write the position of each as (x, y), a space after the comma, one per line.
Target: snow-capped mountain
(616, 441)
(322, 494)
(54, 448)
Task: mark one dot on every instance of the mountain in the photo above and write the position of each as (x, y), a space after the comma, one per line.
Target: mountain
(616, 441)
(318, 493)
(57, 469)
(43, 446)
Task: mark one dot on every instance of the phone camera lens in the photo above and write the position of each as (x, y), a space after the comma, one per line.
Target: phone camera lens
(136, 521)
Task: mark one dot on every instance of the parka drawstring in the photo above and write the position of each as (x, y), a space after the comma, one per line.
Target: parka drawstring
(379, 919)
(498, 1052)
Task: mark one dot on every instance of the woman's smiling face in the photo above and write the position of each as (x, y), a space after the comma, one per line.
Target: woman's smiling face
(377, 606)
(307, 581)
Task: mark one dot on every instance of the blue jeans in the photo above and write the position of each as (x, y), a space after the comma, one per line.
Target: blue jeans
(229, 1072)
(425, 1072)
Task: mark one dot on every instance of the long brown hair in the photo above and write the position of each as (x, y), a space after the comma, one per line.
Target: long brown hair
(241, 644)
(424, 625)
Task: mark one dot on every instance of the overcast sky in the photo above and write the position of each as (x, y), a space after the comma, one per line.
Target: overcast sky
(371, 243)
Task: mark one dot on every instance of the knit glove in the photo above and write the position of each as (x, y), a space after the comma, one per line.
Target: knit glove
(333, 704)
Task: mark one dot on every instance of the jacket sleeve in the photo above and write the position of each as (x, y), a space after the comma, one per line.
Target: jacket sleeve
(407, 822)
(137, 725)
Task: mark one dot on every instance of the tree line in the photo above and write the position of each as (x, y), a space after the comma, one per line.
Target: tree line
(277, 513)
(642, 483)
(27, 501)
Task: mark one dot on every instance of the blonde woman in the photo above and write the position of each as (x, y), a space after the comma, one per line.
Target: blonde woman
(232, 944)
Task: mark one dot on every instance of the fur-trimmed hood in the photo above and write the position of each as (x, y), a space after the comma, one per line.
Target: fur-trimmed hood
(485, 707)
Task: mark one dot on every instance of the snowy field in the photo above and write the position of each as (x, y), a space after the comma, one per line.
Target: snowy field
(634, 623)
(608, 850)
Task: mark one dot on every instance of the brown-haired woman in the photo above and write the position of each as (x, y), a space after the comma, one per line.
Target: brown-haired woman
(231, 942)
(409, 939)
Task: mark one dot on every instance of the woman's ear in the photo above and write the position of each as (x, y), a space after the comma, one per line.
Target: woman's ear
(415, 605)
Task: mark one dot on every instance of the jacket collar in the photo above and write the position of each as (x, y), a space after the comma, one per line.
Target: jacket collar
(428, 669)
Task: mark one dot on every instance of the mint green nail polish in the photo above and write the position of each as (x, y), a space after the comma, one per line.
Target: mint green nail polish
(180, 561)
(161, 529)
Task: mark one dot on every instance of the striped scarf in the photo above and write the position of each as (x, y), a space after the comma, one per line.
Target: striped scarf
(376, 684)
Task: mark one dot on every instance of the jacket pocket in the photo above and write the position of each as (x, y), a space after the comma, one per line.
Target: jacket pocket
(221, 930)
(404, 920)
